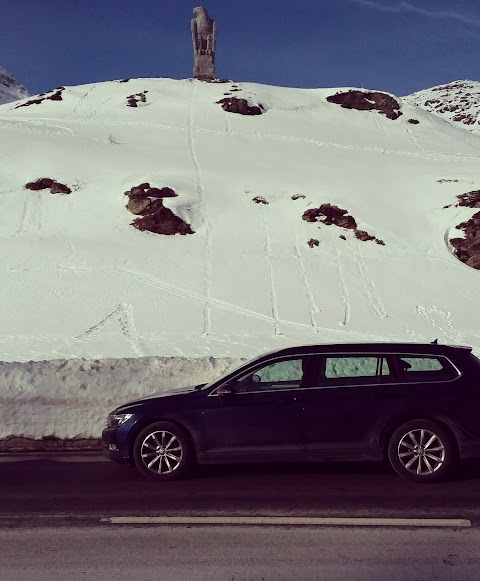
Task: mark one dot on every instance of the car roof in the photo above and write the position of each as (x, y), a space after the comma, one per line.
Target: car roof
(371, 347)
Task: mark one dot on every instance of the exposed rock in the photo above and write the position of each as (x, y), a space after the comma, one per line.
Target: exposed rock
(124, 81)
(467, 248)
(40, 184)
(161, 193)
(368, 101)
(470, 199)
(413, 121)
(47, 183)
(313, 242)
(55, 95)
(138, 205)
(329, 215)
(58, 188)
(240, 106)
(364, 236)
(161, 220)
(298, 197)
(343, 237)
(134, 100)
(474, 261)
(260, 200)
(445, 181)
(147, 203)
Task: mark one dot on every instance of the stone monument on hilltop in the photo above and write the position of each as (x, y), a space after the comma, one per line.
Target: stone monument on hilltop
(204, 36)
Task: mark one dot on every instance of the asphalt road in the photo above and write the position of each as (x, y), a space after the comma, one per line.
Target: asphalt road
(92, 487)
(239, 554)
(59, 521)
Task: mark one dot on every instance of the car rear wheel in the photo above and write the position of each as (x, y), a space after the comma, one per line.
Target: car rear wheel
(163, 451)
(422, 451)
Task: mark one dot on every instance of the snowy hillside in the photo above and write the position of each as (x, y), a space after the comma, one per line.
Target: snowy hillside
(458, 102)
(78, 280)
(10, 88)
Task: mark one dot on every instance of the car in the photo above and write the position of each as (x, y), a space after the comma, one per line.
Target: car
(415, 405)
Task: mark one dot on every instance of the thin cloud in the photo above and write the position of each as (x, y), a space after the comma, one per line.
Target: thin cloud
(407, 7)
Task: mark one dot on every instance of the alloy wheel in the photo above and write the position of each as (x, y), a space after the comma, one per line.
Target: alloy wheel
(161, 452)
(421, 452)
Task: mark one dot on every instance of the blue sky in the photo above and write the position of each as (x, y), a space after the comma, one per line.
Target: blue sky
(390, 45)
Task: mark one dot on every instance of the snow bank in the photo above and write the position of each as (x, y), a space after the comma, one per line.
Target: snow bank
(71, 398)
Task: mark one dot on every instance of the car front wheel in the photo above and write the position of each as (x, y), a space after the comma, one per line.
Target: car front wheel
(163, 451)
(422, 451)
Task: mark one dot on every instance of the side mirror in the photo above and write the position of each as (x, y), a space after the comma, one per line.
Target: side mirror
(225, 389)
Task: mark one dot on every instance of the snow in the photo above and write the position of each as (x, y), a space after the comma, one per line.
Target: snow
(10, 88)
(79, 282)
(72, 398)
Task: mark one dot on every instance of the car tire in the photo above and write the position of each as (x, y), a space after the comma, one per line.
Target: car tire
(422, 451)
(163, 451)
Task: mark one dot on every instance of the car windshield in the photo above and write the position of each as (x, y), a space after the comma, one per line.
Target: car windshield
(234, 370)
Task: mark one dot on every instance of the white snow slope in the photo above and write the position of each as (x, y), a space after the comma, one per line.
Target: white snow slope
(458, 102)
(10, 88)
(79, 281)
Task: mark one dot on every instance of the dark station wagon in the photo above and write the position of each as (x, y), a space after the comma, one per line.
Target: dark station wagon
(416, 405)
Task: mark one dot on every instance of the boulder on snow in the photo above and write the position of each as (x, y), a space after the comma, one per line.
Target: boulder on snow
(147, 203)
(330, 214)
(467, 249)
(58, 188)
(161, 220)
(40, 184)
(260, 200)
(138, 205)
(368, 101)
(47, 183)
(313, 242)
(240, 106)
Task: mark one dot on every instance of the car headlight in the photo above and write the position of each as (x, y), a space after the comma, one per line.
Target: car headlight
(115, 420)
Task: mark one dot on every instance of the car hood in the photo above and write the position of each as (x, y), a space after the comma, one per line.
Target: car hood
(184, 391)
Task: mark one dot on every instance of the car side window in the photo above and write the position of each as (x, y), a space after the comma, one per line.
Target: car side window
(355, 370)
(426, 368)
(283, 374)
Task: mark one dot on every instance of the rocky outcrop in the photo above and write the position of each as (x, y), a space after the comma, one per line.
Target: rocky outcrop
(330, 214)
(260, 200)
(458, 102)
(55, 95)
(136, 99)
(146, 202)
(368, 101)
(240, 106)
(313, 242)
(467, 249)
(47, 183)
(10, 88)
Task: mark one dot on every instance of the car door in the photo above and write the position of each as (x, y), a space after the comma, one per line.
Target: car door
(260, 418)
(343, 412)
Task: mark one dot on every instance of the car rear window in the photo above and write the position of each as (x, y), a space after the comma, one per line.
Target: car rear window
(426, 368)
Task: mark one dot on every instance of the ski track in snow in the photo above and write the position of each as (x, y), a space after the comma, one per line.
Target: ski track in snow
(81, 100)
(269, 136)
(31, 219)
(445, 318)
(173, 290)
(271, 283)
(203, 208)
(369, 286)
(312, 307)
(415, 140)
(124, 315)
(343, 291)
